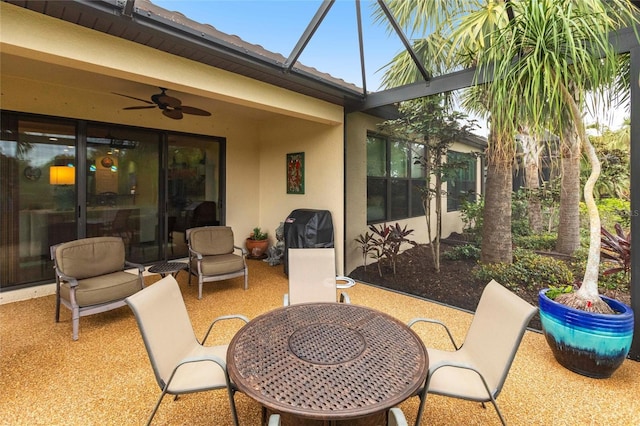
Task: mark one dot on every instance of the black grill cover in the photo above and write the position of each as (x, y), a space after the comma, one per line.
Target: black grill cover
(305, 228)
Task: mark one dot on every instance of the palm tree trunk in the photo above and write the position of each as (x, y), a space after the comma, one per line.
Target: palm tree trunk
(496, 227)
(531, 157)
(569, 215)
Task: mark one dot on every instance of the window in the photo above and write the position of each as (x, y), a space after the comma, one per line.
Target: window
(462, 183)
(393, 179)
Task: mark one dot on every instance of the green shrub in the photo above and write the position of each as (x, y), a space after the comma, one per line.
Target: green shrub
(545, 241)
(466, 251)
(528, 270)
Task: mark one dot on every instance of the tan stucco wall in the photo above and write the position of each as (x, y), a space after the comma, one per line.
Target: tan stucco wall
(322, 146)
(257, 143)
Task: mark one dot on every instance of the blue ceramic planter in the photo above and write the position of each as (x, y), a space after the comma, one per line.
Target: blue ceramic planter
(593, 345)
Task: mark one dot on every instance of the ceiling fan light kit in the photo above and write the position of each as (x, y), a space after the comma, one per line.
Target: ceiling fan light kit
(171, 107)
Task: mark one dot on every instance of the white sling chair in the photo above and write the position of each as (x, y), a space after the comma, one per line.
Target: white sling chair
(396, 418)
(477, 369)
(180, 362)
(312, 276)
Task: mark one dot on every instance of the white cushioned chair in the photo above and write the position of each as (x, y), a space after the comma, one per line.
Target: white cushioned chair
(212, 257)
(91, 277)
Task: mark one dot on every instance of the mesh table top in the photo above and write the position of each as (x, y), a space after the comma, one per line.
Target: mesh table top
(327, 361)
(168, 267)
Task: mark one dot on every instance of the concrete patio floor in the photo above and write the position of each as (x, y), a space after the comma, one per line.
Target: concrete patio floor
(105, 377)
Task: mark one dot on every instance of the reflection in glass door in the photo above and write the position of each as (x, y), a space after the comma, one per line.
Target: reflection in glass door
(193, 188)
(122, 189)
(37, 195)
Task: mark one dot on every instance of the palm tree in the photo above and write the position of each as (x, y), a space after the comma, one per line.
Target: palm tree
(545, 61)
(435, 50)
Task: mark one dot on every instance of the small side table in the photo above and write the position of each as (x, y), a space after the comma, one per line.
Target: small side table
(164, 268)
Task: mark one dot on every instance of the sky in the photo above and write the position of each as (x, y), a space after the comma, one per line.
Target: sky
(277, 25)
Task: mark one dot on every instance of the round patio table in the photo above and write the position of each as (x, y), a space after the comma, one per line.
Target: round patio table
(327, 363)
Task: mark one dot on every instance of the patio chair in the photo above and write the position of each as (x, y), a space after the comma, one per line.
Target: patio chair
(312, 276)
(180, 362)
(212, 258)
(91, 278)
(396, 418)
(477, 369)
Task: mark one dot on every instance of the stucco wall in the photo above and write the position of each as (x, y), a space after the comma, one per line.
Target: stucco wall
(73, 71)
(323, 155)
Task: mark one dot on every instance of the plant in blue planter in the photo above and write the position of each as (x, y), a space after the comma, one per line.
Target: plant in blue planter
(590, 343)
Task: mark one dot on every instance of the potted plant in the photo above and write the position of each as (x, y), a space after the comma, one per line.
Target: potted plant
(257, 243)
(593, 344)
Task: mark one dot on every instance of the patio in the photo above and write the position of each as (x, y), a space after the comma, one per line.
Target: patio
(105, 377)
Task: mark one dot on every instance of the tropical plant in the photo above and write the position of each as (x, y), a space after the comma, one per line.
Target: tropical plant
(367, 246)
(258, 235)
(528, 270)
(616, 248)
(386, 243)
(434, 128)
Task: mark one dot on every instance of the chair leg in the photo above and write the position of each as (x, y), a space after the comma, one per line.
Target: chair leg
(58, 307)
(495, 405)
(423, 398)
(199, 287)
(232, 403)
(75, 320)
(246, 279)
(153, 413)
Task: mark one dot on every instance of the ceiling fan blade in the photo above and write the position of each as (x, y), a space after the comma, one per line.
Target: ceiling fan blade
(194, 111)
(140, 107)
(146, 101)
(176, 114)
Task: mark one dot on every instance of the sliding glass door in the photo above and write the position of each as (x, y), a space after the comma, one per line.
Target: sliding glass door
(66, 179)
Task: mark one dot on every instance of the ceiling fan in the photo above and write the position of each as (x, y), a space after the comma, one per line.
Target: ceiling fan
(170, 106)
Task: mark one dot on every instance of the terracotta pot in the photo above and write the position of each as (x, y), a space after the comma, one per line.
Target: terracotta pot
(591, 344)
(256, 248)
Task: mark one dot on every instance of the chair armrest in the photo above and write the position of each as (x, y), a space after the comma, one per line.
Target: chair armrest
(211, 358)
(192, 252)
(449, 364)
(73, 282)
(138, 266)
(396, 417)
(242, 250)
(434, 321)
(222, 318)
(344, 298)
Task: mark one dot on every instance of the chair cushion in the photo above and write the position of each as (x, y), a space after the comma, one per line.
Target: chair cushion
(211, 240)
(90, 257)
(218, 265)
(103, 289)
